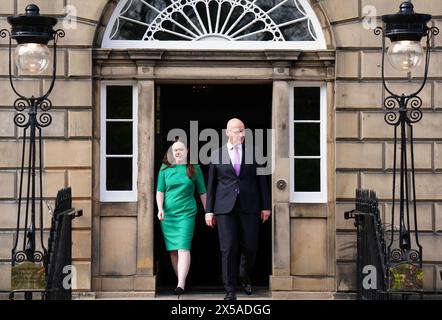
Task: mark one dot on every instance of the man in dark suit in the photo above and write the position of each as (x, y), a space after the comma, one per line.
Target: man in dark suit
(237, 198)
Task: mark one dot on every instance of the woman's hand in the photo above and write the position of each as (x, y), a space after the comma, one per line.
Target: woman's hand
(160, 202)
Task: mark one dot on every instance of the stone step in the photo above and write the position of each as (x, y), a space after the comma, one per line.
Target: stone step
(210, 294)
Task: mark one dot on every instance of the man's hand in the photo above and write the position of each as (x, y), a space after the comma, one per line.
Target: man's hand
(210, 220)
(160, 215)
(265, 215)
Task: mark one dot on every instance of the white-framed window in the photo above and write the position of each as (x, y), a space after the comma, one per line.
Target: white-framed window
(308, 143)
(214, 24)
(119, 143)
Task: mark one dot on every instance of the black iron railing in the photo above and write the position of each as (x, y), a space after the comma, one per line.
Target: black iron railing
(382, 272)
(58, 262)
(371, 249)
(51, 274)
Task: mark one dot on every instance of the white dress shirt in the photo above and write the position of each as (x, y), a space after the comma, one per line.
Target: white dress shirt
(231, 151)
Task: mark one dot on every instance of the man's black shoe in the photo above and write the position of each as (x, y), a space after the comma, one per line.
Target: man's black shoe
(230, 296)
(246, 286)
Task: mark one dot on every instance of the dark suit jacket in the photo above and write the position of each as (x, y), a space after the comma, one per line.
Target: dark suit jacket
(223, 184)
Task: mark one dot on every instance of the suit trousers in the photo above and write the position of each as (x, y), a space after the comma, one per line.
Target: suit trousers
(237, 231)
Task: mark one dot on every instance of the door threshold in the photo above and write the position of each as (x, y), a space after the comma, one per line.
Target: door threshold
(212, 293)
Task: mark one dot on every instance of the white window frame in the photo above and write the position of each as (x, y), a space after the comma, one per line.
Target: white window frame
(309, 197)
(319, 44)
(111, 195)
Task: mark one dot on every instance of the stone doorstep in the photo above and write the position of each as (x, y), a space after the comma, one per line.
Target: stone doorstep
(150, 295)
(4, 295)
(262, 295)
(204, 295)
(83, 296)
(124, 295)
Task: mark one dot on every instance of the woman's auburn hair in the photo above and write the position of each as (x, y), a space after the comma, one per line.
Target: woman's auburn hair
(190, 172)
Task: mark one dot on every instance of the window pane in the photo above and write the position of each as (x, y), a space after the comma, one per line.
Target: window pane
(307, 175)
(128, 30)
(119, 138)
(119, 174)
(307, 139)
(306, 103)
(233, 20)
(119, 102)
(140, 12)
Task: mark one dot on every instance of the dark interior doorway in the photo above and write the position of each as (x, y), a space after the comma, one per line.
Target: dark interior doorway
(212, 106)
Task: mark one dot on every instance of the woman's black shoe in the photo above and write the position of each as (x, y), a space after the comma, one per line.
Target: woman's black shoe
(178, 291)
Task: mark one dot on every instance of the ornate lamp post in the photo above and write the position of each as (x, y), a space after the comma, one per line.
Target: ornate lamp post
(32, 32)
(405, 31)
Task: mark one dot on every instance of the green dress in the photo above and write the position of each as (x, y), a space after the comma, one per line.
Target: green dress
(179, 205)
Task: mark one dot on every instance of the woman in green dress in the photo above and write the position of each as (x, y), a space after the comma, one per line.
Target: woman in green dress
(177, 181)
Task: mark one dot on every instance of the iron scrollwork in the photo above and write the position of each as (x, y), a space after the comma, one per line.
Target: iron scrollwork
(391, 117)
(22, 256)
(394, 105)
(407, 256)
(34, 106)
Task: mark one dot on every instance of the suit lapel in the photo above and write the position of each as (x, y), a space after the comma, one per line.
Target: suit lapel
(226, 160)
(242, 167)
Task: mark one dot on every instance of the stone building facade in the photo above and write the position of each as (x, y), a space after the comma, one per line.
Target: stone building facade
(312, 247)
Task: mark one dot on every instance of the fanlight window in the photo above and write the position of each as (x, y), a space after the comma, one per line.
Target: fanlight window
(206, 24)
